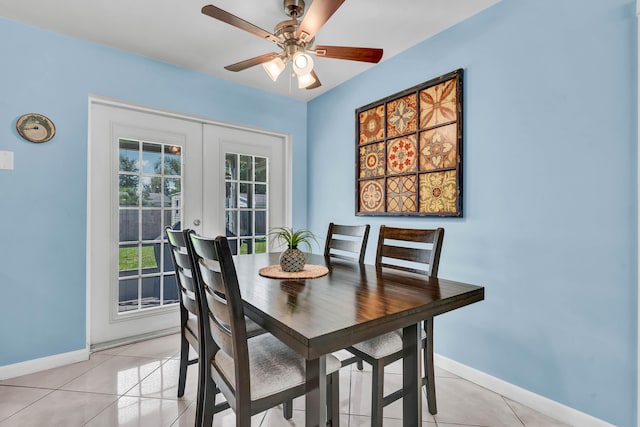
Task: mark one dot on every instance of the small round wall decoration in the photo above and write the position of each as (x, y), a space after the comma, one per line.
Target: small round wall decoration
(35, 127)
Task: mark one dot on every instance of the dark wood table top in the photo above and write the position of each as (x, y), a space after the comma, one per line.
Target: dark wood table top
(349, 305)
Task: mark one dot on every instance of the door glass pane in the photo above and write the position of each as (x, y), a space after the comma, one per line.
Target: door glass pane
(129, 227)
(172, 190)
(152, 224)
(151, 158)
(170, 289)
(261, 196)
(150, 292)
(231, 196)
(128, 295)
(129, 260)
(246, 246)
(231, 224)
(167, 264)
(129, 156)
(233, 245)
(128, 189)
(150, 198)
(261, 223)
(246, 168)
(261, 245)
(151, 191)
(261, 169)
(246, 195)
(173, 160)
(246, 202)
(150, 258)
(246, 223)
(231, 166)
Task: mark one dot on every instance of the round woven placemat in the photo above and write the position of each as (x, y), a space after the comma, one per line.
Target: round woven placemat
(310, 271)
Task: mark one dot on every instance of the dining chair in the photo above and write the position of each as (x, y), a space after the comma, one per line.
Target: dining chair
(190, 307)
(419, 253)
(253, 375)
(347, 241)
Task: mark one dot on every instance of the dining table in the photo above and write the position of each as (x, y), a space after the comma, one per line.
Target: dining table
(352, 303)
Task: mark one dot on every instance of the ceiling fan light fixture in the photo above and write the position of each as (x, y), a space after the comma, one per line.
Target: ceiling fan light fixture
(302, 64)
(274, 67)
(306, 80)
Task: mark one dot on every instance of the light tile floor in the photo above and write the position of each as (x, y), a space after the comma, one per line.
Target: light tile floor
(136, 385)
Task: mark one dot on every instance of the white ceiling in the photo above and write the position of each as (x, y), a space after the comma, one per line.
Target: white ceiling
(175, 31)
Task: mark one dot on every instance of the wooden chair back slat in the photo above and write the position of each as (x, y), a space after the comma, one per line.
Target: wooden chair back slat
(187, 293)
(349, 230)
(350, 241)
(407, 254)
(211, 276)
(220, 326)
(186, 282)
(422, 251)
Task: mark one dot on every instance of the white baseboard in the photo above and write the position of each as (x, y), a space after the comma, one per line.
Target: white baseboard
(534, 401)
(134, 339)
(43, 363)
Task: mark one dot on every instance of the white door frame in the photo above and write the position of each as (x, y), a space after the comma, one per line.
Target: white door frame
(105, 101)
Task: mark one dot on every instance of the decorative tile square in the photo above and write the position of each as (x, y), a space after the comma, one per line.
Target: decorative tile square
(372, 124)
(438, 104)
(401, 116)
(371, 196)
(438, 192)
(401, 194)
(401, 155)
(438, 148)
(372, 160)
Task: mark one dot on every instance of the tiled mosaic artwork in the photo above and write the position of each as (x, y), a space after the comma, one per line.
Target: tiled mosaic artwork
(409, 148)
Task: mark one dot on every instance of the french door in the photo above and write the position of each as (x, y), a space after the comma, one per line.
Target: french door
(150, 169)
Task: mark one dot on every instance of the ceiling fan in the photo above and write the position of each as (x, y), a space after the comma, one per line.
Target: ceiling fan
(295, 39)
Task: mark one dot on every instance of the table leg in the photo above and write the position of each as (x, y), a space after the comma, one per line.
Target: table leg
(411, 381)
(316, 392)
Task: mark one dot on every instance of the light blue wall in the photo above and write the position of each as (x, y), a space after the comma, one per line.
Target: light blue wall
(550, 191)
(43, 201)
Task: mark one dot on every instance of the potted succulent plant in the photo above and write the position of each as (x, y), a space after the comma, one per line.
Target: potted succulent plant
(292, 259)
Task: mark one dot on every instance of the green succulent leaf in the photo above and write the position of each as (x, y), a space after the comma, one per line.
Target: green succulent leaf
(292, 238)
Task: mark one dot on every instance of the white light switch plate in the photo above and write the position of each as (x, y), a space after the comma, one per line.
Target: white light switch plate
(6, 160)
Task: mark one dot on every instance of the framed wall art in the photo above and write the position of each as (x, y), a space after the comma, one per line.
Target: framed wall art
(409, 151)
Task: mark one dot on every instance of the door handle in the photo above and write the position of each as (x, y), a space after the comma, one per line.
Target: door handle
(196, 222)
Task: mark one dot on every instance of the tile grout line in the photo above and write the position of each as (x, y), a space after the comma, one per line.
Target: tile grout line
(513, 410)
(30, 404)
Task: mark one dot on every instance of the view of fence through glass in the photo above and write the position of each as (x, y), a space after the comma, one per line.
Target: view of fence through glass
(150, 192)
(246, 203)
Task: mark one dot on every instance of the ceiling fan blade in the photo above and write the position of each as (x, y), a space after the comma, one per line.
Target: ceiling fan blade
(364, 54)
(318, 14)
(224, 16)
(248, 63)
(316, 83)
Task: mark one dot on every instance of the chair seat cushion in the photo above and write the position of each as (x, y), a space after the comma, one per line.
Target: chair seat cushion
(273, 366)
(384, 345)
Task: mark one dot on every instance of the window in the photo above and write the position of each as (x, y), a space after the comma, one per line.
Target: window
(246, 203)
(150, 191)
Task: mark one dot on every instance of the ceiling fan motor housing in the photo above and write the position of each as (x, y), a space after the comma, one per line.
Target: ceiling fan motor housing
(294, 8)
